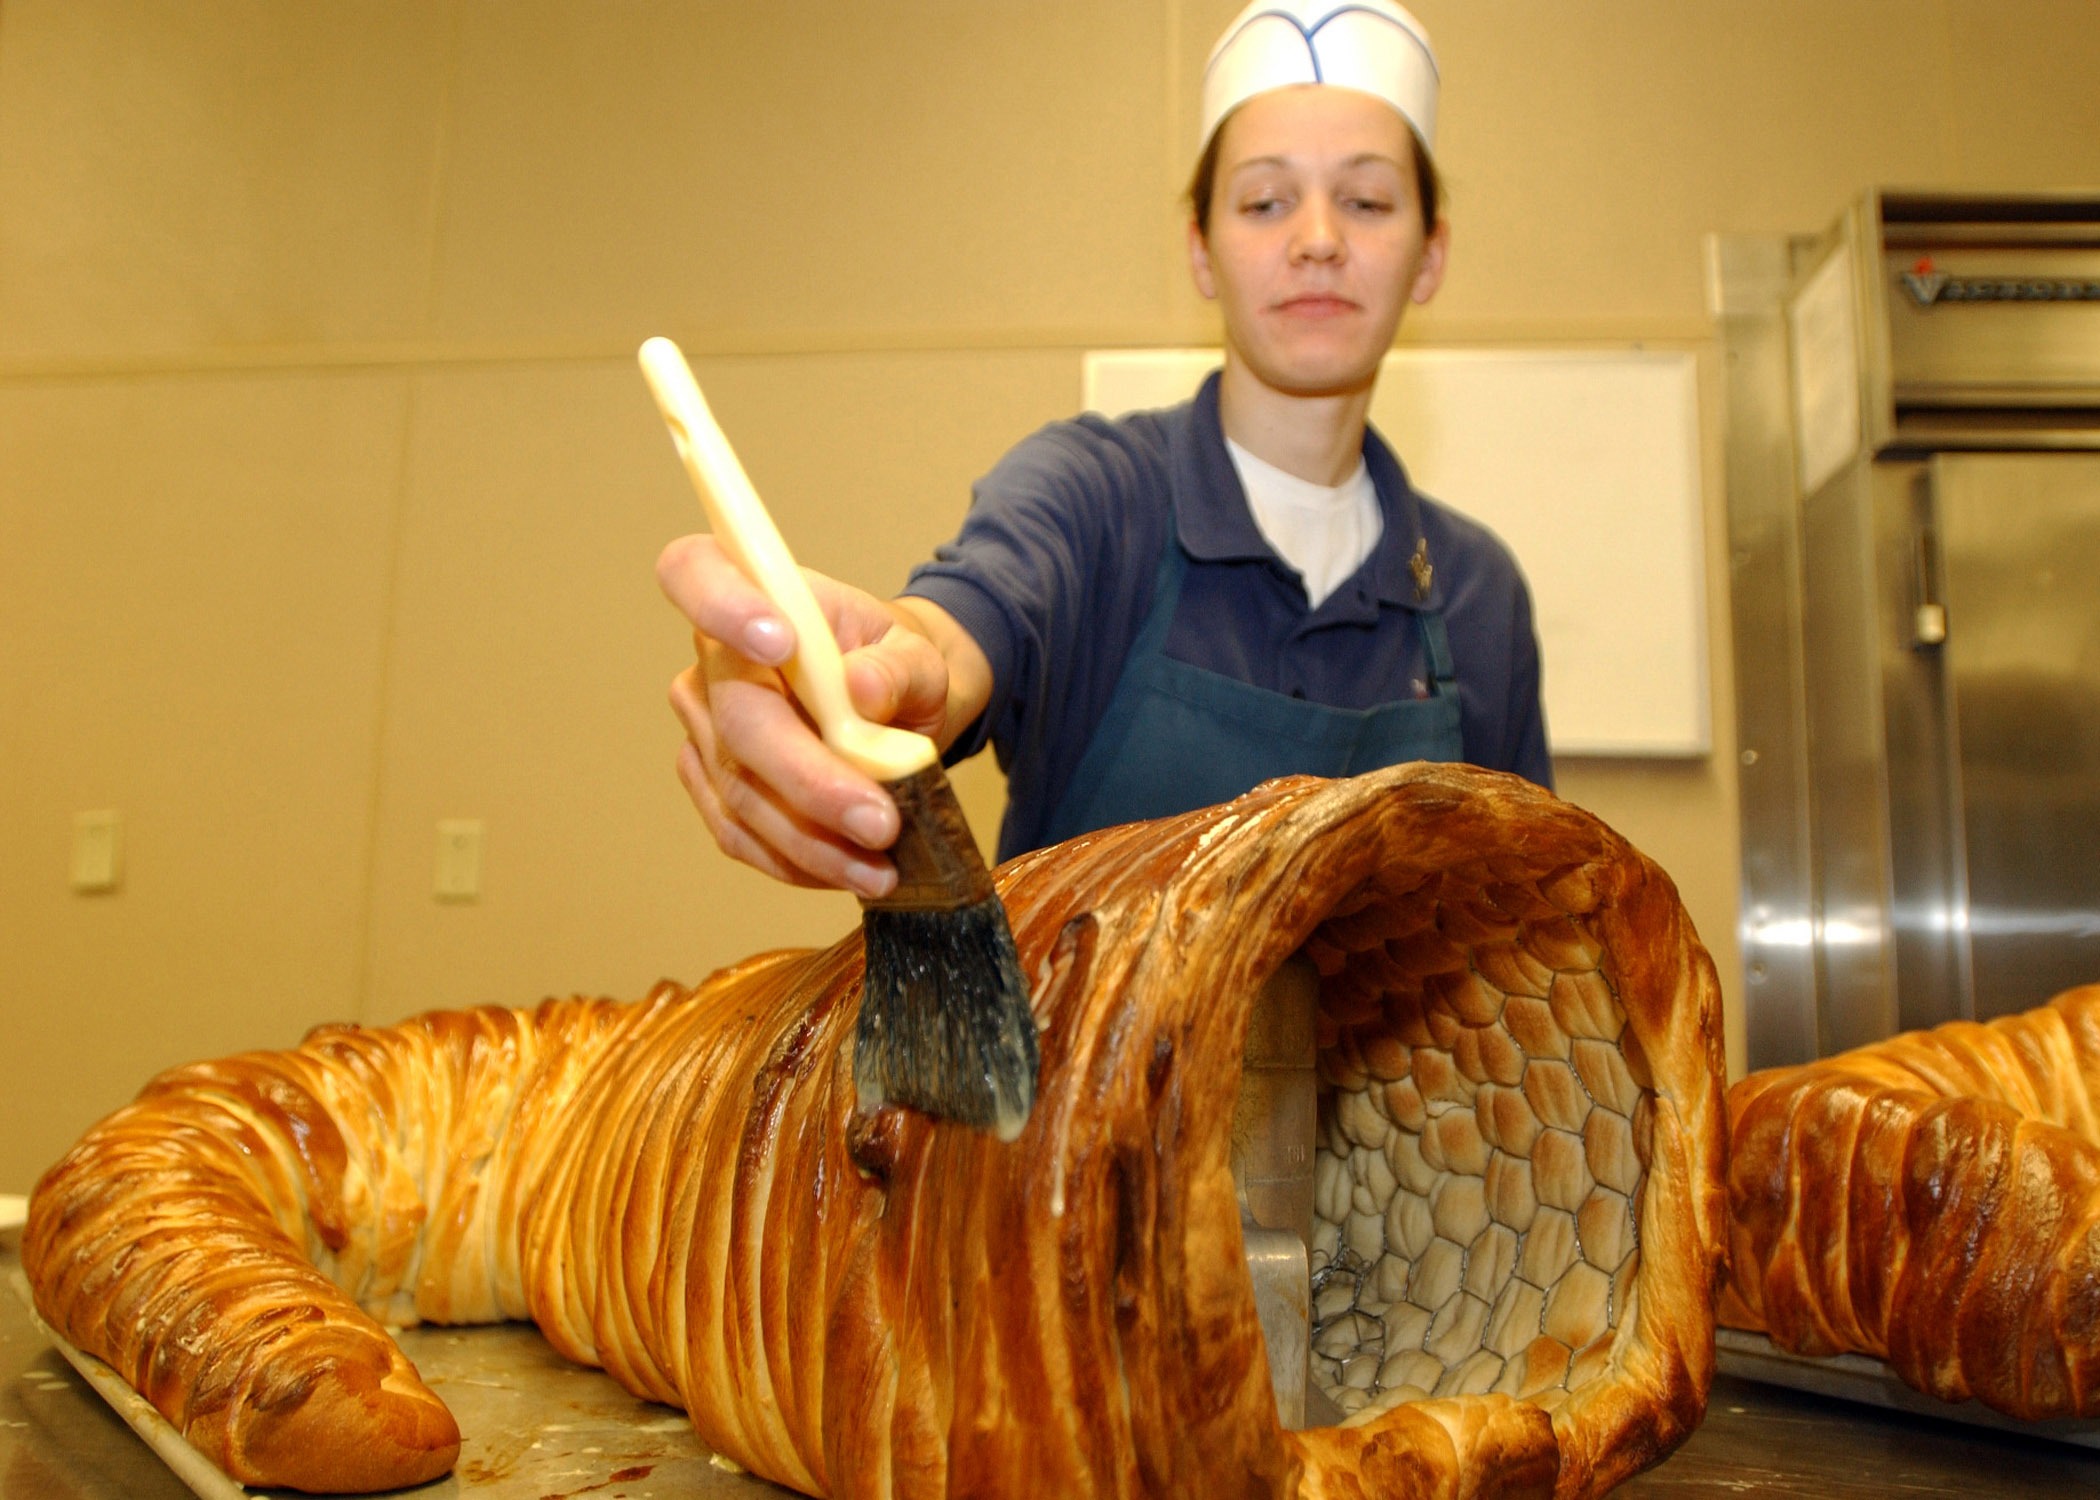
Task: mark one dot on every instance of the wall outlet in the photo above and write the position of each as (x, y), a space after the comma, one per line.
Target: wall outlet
(459, 859)
(97, 850)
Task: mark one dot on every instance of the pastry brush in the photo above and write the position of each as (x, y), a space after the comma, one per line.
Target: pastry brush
(944, 1020)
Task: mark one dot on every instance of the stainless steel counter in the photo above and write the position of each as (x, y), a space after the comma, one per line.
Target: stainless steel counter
(1768, 1440)
(538, 1428)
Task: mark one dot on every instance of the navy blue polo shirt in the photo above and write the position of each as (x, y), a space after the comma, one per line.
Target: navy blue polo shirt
(1053, 570)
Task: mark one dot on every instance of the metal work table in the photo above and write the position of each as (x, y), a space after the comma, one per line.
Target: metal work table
(547, 1429)
(1767, 1440)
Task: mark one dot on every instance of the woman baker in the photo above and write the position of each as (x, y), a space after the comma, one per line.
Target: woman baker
(1155, 613)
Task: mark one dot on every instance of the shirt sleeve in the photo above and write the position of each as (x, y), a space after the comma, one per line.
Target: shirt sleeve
(1050, 575)
(1495, 647)
(1524, 739)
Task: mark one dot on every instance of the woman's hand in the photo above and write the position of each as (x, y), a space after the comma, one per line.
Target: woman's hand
(771, 792)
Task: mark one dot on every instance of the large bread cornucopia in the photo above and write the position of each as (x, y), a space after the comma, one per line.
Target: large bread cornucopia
(1933, 1201)
(1520, 1189)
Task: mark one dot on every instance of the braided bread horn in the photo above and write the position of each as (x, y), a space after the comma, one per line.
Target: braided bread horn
(1518, 1227)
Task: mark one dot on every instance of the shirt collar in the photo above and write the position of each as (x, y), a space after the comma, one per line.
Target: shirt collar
(1215, 524)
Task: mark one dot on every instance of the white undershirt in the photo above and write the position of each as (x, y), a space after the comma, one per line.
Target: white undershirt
(1323, 531)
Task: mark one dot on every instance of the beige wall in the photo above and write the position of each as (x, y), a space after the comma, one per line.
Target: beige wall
(328, 497)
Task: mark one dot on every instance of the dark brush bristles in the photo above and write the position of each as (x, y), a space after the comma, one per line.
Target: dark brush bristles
(944, 1020)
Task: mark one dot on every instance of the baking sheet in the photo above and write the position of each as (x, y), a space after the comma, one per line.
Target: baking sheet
(1854, 1377)
(533, 1426)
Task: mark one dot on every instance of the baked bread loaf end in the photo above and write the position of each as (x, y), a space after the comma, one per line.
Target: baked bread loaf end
(157, 1256)
(1932, 1201)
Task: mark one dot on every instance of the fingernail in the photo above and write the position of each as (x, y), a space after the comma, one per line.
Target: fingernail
(766, 640)
(869, 825)
(872, 881)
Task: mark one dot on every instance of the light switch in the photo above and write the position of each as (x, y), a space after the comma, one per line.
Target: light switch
(96, 846)
(459, 859)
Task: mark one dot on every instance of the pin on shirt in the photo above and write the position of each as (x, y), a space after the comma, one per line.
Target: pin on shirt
(1422, 568)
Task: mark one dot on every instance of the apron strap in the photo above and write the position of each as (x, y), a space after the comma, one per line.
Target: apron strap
(1443, 677)
(1166, 600)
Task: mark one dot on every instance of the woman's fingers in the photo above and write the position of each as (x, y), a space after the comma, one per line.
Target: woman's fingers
(899, 679)
(711, 591)
(771, 793)
(768, 839)
(730, 835)
(770, 790)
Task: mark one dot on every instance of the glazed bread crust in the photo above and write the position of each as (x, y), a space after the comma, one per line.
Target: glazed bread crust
(230, 1241)
(1932, 1201)
(683, 1191)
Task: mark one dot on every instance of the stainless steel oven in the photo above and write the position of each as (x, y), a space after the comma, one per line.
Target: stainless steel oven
(1914, 511)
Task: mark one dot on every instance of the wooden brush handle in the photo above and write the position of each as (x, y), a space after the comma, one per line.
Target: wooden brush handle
(816, 672)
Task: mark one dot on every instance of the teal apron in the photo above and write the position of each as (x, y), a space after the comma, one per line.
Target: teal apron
(1178, 737)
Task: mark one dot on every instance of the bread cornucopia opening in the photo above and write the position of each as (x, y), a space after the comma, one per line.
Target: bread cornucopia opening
(1516, 1235)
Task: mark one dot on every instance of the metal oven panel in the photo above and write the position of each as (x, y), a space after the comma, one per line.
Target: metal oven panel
(1922, 787)
(1848, 767)
(2020, 539)
(1991, 326)
(1917, 611)
(1749, 275)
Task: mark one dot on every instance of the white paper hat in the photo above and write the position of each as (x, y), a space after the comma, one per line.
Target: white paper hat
(1370, 45)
